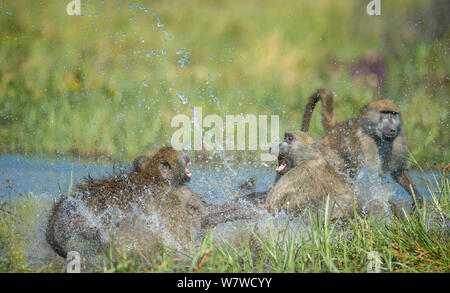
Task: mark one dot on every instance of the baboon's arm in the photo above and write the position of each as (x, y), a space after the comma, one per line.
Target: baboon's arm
(406, 182)
(225, 213)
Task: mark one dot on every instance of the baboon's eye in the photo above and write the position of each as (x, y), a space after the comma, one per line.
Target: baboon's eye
(389, 112)
(164, 167)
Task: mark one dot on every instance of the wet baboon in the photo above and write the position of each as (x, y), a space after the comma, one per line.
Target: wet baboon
(306, 179)
(205, 215)
(155, 185)
(375, 139)
(259, 198)
(249, 184)
(67, 229)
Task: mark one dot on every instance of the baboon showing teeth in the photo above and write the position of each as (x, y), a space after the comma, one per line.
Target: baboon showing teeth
(306, 179)
(155, 185)
(259, 199)
(375, 139)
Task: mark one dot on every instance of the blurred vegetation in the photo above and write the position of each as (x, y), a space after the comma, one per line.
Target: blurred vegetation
(108, 82)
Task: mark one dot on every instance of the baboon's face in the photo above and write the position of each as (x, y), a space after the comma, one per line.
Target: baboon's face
(295, 148)
(385, 125)
(285, 162)
(169, 164)
(381, 119)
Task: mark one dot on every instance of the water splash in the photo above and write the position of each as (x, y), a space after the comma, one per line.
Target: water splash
(185, 59)
(159, 24)
(138, 228)
(373, 191)
(185, 101)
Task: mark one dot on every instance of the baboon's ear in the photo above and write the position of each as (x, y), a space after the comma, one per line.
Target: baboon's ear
(363, 109)
(138, 163)
(165, 168)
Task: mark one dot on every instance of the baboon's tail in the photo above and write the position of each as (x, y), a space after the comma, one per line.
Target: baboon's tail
(328, 118)
(50, 231)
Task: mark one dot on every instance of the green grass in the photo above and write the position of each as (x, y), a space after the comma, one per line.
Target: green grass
(75, 85)
(413, 242)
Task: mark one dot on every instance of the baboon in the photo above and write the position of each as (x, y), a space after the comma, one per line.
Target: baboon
(375, 139)
(259, 198)
(206, 215)
(138, 163)
(156, 185)
(306, 179)
(249, 184)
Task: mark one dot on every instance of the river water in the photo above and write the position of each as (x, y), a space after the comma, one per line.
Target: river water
(45, 177)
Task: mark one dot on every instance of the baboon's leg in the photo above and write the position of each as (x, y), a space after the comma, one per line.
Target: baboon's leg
(406, 182)
(257, 198)
(226, 213)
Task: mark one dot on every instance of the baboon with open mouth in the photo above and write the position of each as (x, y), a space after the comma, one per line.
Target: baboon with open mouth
(155, 185)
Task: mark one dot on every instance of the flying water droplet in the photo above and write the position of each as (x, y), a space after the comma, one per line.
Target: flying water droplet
(184, 100)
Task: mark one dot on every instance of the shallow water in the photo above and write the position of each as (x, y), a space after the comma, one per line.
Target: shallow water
(45, 177)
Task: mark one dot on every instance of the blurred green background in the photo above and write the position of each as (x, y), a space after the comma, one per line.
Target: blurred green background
(108, 82)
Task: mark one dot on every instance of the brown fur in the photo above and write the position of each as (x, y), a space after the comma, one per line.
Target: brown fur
(356, 143)
(156, 185)
(257, 198)
(309, 179)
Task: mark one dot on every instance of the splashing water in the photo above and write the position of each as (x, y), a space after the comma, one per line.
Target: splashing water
(137, 228)
(159, 24)
(373, 191)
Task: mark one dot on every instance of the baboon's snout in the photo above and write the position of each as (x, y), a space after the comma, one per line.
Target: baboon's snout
(274, 150)
(185, 158)
(186, 162)
(390, 132)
